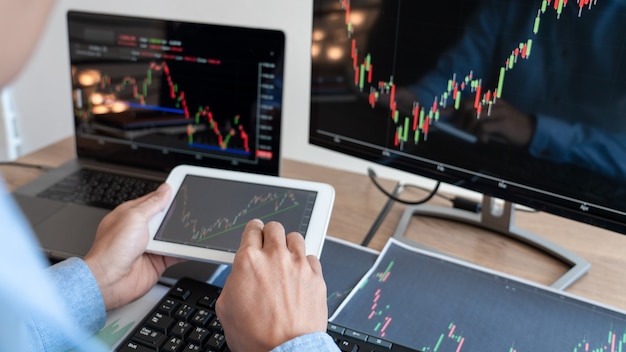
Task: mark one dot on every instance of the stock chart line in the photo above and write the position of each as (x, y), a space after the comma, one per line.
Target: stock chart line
(140, 92)
(423, 115)
(260, 206)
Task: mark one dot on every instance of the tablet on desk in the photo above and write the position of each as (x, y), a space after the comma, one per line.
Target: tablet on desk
(209, 209)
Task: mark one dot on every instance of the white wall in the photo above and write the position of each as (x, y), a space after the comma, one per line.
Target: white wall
(9, 137)
(42, 92)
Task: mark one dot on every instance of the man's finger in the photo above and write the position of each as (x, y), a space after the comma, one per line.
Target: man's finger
(252, 234)
(295, 243)
(151, 203)
(315, 263)
(274, 235)
(132, 202)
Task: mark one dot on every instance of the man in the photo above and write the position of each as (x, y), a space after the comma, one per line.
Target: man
(59, 307)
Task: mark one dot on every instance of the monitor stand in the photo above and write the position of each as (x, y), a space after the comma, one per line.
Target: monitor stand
(499, 219)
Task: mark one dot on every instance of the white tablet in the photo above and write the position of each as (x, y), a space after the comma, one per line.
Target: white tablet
(209, 209)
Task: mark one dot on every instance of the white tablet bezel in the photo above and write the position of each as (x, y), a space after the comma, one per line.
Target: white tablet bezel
(316, 230)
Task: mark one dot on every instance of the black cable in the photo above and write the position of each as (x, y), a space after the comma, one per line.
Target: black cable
(432, 193)
(381, 216)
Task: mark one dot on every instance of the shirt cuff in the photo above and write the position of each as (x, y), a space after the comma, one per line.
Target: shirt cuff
(316, 341)
(80, 293)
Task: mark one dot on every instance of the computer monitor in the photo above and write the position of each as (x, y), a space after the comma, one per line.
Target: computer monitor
(520, 100)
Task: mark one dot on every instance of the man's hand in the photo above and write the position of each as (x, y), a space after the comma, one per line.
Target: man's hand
(123, 270)
(274, 293)
(502, 123)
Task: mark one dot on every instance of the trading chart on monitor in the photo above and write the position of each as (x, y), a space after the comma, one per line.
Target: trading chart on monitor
(518, 99)
(201, 90)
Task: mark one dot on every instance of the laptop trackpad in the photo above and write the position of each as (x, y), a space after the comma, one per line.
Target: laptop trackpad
(37, 209)
(70, 232)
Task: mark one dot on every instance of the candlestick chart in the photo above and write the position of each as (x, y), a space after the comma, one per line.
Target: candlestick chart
(212, 213)
(412, 120)
(158, 100)
(434, 305)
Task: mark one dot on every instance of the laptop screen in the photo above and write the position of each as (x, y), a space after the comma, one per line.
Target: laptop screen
(157, 93)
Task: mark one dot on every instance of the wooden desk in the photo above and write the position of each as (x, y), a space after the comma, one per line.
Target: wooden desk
(358, 202)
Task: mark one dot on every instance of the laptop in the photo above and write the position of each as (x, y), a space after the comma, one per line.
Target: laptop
(149, 94)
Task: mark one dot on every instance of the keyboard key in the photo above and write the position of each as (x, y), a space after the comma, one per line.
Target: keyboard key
(174, 344)
(207, 302)
(198, 336)
(347, 346)
(180, 293)
(168, 306)
(380, 342)
(335, 328)
(201, 318)
(149, 337)
(184, 312)
(215, 325)
(135, 347)
(193, 348)
(160, 322)
(355, 334)
(181, 329)
(217, 342)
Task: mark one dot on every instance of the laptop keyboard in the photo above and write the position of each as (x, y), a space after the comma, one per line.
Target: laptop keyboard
(185, 321)
(99, 189)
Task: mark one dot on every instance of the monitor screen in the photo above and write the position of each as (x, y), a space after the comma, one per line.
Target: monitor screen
(522, 100)
(158, 92)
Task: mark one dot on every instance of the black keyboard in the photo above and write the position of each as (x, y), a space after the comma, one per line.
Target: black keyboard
(185, 321)
(99, 189)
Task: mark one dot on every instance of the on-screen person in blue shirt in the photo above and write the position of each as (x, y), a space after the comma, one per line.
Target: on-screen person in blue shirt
(564, 103)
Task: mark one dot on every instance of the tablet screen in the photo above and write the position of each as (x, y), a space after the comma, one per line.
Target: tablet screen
(212, 213)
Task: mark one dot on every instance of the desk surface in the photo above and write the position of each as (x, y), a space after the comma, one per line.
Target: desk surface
(358, 202)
